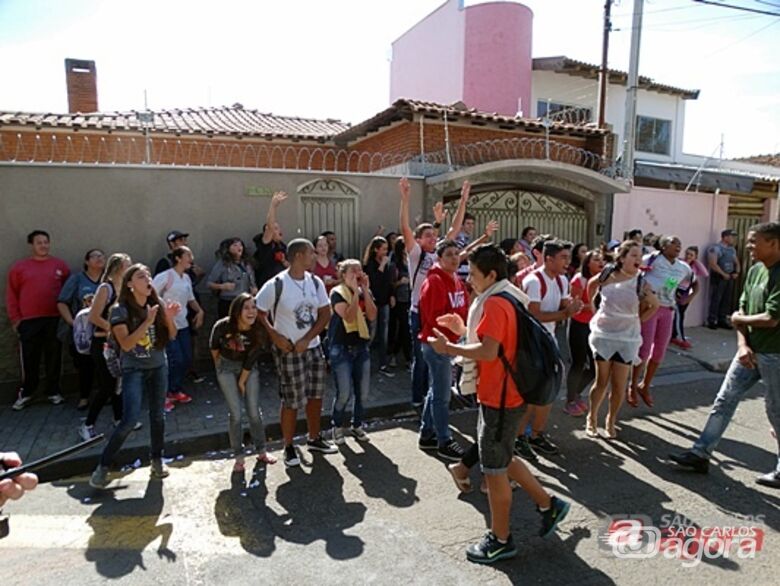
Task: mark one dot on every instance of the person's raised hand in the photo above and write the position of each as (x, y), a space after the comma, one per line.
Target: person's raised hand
(404, 188)
(14, 488)
(278, 198)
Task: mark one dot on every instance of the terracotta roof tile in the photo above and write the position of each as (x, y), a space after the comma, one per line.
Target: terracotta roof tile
(227, 120)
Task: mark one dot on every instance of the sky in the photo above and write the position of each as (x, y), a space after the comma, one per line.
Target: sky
(331, 59)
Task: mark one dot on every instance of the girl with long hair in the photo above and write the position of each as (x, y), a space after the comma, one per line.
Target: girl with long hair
(324, 267)
(235, 347)
(380, 271)
(616, 331)
(582, 370)
(399, 338)
(175, 285)
(231, 274)
(105, 296)
(142, 325)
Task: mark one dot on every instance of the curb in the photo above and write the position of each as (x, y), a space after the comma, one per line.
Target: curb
(85, 463)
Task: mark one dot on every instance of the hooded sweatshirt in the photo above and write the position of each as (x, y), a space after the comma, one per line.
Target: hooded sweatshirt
(441, 293)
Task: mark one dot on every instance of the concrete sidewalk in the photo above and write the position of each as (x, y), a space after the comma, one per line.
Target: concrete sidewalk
(201, 426)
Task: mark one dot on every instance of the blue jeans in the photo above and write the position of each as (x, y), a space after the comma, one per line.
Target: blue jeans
(436, 412)
(227, 377)
(419, 368)
(154, 382)
(179, 352)
(351, 367)
(380, 332)
(739, 380)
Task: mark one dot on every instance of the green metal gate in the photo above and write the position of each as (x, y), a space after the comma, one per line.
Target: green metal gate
(515, 209)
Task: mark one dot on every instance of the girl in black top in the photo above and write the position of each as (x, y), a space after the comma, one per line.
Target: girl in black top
(235, 347)
(377, 265)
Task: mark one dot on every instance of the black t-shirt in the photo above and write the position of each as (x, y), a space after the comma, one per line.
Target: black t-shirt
(239, 348)
(336, 332)
(381, 281)
(269, 259)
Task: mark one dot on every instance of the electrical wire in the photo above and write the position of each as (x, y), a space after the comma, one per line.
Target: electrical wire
(753, 34)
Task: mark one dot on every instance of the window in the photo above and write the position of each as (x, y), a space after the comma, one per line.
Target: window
(563, 112)
(653, 135)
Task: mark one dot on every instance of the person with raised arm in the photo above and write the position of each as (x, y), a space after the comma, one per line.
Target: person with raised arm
(270, 256)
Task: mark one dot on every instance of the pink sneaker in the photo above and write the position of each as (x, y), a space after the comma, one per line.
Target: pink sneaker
(179, 397)
(583, 405)
(573, 408)
(169, 406)
(685, 344)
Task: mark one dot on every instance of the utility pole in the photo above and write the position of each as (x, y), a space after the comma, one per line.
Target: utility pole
(629, 134)
(604, 74)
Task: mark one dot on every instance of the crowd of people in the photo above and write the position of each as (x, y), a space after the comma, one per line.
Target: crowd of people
(441, 303)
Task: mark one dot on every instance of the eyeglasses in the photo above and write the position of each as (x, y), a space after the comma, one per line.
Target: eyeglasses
(97, 255)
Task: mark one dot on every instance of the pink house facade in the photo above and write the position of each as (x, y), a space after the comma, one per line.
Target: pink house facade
(479, 55)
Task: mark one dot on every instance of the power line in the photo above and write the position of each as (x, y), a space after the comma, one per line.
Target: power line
(696, 20)
(745, 8)
(754, 33)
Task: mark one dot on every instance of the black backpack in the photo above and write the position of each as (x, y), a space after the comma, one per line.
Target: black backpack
(538, 366)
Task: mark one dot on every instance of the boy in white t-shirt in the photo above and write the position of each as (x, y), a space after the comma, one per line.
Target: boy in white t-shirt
(549, 302)
(295, 309)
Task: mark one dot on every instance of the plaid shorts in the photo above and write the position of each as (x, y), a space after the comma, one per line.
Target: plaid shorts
(301, 376)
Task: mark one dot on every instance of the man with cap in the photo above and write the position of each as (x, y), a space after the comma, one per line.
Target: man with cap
(724, 270)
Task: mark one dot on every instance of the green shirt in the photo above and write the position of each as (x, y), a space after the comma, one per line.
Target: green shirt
(758, 298)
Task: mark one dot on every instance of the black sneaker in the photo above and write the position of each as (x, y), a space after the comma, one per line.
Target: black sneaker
(428, 443)
(490, 550)
(451, 451)
(523, 449)
(690, 460)
(770, 479)
(541, 444)
(291, 458)
(320, 445)
(385, 370)
(552, 516)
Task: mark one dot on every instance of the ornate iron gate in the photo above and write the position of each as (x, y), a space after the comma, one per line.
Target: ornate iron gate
(330, 204)
(515, 209)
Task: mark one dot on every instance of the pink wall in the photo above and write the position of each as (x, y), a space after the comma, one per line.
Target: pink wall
(498, 66)
(427, 60)
(697, 218)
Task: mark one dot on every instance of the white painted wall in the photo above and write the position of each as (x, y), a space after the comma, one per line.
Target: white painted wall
(577, 91)
(428, 59)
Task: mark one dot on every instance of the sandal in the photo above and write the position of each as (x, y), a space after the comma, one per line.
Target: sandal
(591, 429)
(266, 458)
(611, 431)
(644, 392)
(631, 397)
(463, 484)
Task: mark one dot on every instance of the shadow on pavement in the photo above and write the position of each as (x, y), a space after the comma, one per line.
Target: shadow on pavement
(244, 514)
(122, 529)
(379, 476)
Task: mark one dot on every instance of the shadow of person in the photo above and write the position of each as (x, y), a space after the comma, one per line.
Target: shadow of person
(379, 475)
(123, 528)
(241, 511)
(317, 510)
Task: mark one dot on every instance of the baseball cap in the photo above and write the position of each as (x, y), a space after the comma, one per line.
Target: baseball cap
(728, 232)
(613, 244)
(175, 235)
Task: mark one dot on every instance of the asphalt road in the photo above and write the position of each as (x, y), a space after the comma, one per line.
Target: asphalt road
(386, 513)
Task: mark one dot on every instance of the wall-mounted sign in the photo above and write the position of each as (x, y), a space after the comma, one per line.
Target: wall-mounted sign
(257, 191)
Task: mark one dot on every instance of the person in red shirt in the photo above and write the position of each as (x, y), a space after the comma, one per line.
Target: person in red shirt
(493, 325)
(34, 284)
(441, 293)
(583, 367)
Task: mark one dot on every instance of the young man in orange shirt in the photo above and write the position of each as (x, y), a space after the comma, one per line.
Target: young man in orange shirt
(493, 325)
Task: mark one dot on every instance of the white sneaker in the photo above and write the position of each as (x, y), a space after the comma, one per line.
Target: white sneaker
(21, 403)
(360, 434)
(338, 435)
(56, 399)
(138, 425)
(99, 478)
(87, 432)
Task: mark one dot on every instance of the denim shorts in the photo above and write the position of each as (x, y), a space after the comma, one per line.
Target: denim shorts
(495, 456)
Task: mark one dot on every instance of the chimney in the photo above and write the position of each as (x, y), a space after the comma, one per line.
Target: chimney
(81, 78)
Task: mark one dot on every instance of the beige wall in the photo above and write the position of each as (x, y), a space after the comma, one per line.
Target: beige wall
(697, 218)
(130, 209)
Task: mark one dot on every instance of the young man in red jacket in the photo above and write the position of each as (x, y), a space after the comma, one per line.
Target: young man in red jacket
(441, 293)
(34, 284)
